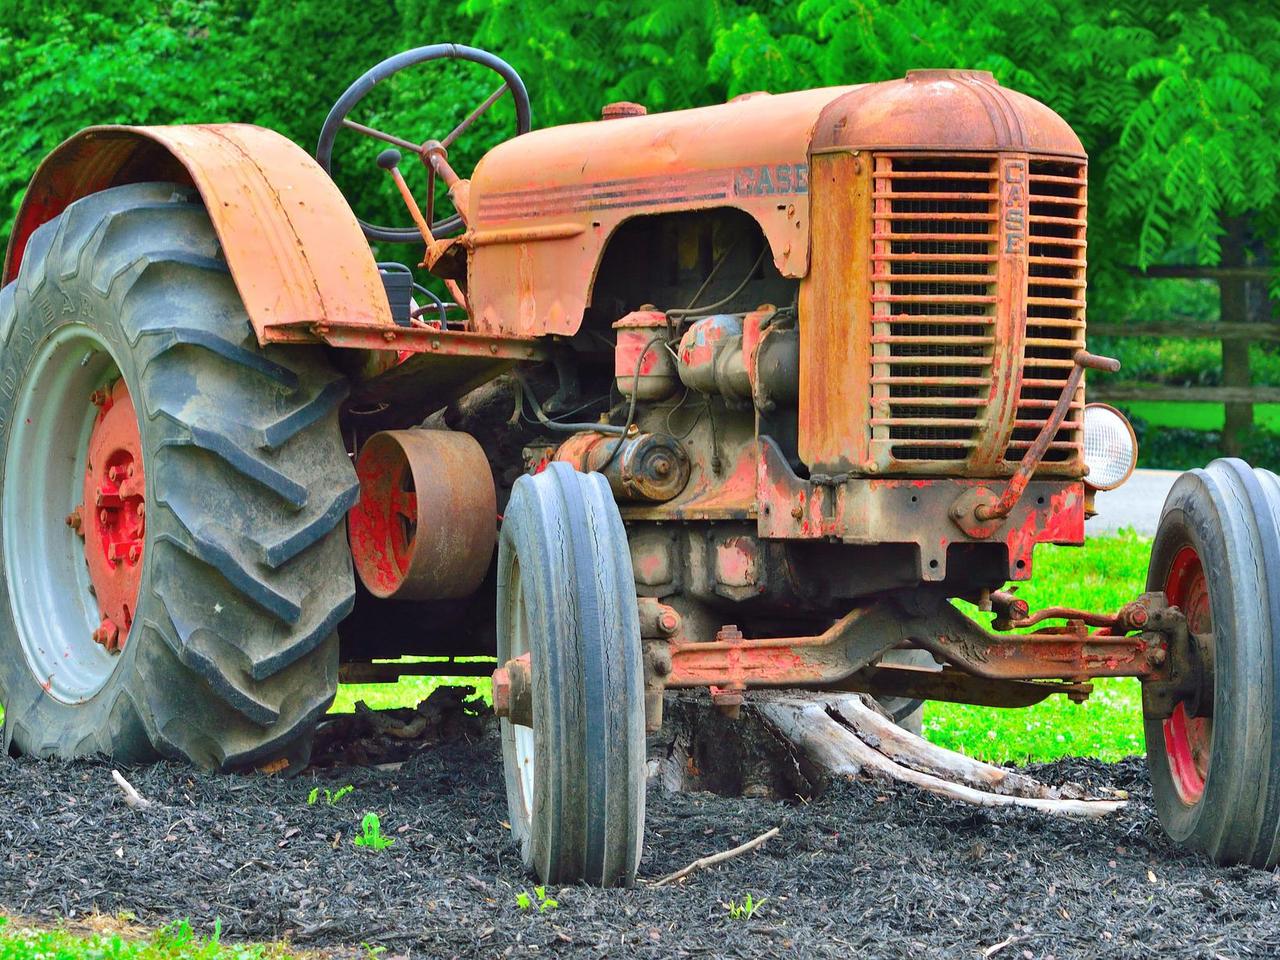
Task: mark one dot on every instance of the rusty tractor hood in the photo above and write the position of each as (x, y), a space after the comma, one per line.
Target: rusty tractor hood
(543, 205)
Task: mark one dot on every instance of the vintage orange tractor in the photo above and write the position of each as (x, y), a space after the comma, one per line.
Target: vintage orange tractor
(728, 398)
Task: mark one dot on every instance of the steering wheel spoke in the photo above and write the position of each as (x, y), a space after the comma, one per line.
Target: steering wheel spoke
(471, 118)
(339, 117)
(384, 137)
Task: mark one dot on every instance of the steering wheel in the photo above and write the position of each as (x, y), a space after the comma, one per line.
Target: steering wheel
(338, 118)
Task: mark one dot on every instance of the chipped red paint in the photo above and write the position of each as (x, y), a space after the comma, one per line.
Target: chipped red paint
(424, 527)
(736, 560)
(911, 510)
(699, 345)
(114, 513)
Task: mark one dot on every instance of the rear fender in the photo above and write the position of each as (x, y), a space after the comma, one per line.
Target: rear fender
(293, 245)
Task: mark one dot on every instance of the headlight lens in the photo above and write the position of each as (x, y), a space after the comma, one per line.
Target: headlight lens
(1110, 447)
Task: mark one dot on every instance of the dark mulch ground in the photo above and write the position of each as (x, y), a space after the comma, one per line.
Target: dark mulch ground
(866, 871)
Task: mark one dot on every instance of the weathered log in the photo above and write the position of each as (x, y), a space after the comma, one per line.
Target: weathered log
(791, 744)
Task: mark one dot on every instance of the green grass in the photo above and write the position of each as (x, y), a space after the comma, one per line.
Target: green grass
(406, 692)
(1199, 416)
(173, 942)
(1101, 576)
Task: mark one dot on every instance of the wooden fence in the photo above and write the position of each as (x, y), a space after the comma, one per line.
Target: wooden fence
(1118, 390)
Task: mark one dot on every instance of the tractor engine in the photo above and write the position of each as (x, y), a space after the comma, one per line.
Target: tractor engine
(827, 352)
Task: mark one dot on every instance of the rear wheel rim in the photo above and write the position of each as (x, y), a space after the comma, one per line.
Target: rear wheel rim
(63, 404)
(1188, 740)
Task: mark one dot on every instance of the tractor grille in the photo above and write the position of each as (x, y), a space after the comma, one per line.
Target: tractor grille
(1055, 307)
(944, 385)
(933, 265)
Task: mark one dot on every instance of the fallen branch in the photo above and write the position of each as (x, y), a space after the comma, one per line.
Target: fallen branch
(131, 796)
(909, 750)
(712, 860)
(812, 727)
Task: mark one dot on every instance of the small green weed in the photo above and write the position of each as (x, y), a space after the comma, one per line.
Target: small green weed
(371, 833)
(539, 899)
(331, 798)
(747, 908)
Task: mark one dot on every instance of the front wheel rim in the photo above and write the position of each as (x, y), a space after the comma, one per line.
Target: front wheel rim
(522, 737)
(1188, 740)
(57, 428)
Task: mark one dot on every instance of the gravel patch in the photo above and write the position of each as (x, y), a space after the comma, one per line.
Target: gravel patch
(867, 870)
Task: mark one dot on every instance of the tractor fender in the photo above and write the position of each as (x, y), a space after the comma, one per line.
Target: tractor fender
(292, 244)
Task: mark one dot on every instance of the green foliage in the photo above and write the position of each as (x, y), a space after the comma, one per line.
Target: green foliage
(371, 834)
(746, 909)
(176, 941)
(1176, 101)
(539, 900)
(331, 799)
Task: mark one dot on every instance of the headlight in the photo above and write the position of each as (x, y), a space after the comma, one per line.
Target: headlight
(1110, 446)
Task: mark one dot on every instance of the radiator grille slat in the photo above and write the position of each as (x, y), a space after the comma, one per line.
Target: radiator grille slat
(933, 266)
(1055, 306)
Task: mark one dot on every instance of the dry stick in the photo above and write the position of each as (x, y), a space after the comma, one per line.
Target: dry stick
(995, 948)
(131, 796)
(715, 858)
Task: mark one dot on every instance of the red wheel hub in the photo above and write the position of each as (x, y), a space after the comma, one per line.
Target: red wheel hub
(1187, 739)
(112, 519)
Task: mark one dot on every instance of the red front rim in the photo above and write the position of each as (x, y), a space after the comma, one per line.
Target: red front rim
(113, 515)
(1188, 740)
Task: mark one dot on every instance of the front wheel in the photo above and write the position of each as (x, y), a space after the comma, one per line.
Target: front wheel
(1215, 757)
(566, 607)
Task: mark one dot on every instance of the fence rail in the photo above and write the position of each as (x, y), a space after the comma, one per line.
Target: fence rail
(1234, 398)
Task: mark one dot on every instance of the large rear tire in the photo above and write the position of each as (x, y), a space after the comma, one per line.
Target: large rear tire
(566, 597)
(1215, 762)
(242, 571)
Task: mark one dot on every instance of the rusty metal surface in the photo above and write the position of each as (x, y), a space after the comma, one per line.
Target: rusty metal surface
(290, 240)
(425, 526)
(640, 466)
(946, 295)
(887, 510)
(963, 110)
(415, 339)
(600, 174)
(733, 663)
(955, 686)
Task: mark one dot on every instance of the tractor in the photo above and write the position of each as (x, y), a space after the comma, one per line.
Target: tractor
(728, 398)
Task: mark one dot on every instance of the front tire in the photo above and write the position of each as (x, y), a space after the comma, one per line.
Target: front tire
(242, 571)
(1215, 762)
(566, 597)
